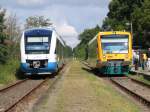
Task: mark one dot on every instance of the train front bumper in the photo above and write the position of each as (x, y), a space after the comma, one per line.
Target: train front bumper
(114, 67)
(50, 68)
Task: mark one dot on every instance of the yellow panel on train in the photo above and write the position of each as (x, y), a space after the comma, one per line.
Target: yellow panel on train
(111, 52)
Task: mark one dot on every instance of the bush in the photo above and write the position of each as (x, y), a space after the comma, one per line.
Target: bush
(8, 71)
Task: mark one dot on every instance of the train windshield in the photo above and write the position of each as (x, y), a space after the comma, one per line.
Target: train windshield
(37, 45)
(115, 44)
(37, 41)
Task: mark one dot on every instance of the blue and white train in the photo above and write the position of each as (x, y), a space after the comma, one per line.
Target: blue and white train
(42, 51)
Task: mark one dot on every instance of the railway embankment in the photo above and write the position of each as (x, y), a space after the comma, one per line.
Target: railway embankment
(80, 91)
(9, 71)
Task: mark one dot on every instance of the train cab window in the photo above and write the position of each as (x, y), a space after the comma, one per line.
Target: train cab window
(115, 44)
(37, 41)
(37, 45)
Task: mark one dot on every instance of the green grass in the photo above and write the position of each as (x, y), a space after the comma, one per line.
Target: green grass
(8, 71)
(109, 98)
(112, 100)
(81, 91)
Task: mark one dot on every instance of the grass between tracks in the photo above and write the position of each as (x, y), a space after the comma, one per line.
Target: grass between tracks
(84, 92)
(8, 71)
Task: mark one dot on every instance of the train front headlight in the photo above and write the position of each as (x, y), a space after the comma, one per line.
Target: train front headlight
(46, 63)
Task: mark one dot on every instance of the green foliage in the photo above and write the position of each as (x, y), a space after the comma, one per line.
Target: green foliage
(120, 13)
(8, 71)
(9, 48)
(9, 59)
(13, 29)
(81, 50)
(3, 54)
(2, 26)
(3, 48)
(141, 23)
(68, 52)
(127, 11)
(37, 21)
(88, 34)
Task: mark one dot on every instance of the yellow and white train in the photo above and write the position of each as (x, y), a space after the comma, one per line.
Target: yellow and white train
(111, 52)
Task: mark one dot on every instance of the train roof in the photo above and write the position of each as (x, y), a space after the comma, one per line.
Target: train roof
(39, 31)
(113, 32)
(44, 30)
(108, 33)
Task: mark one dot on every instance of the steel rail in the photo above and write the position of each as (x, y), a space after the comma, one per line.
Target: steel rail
(136, 96)
(12, 85)
(32, 90)
(26, 95)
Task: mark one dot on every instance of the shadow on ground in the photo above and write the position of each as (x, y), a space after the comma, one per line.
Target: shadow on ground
(20, 76)
(95, 72)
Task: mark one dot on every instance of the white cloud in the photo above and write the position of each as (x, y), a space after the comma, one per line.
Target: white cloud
(66, 30)
(68, 33)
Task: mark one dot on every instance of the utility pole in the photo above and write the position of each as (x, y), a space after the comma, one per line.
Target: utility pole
(131, 27)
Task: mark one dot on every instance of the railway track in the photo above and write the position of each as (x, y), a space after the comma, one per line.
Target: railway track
(139, 90)
(139, 82)
(11, 85)
(12, 95)
(18, 92)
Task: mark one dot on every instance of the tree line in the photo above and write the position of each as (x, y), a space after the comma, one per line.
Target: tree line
(122, 14)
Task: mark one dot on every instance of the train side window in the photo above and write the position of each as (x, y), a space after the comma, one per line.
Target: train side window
(56, 50)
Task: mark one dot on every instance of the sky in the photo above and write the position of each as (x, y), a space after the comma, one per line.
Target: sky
(70, 17)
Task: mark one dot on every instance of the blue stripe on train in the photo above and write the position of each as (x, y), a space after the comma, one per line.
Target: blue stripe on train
(52, 67)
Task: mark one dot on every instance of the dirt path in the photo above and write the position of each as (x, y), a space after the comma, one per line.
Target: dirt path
(81, 91)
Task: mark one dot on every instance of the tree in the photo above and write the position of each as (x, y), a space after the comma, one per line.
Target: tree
(85, 37)
(37, 21)
(120, 13)
(3, 48)
(13, 32)
(88, 34)
(13, 29)
(2, 25)
(141, 21)
(127, 11)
